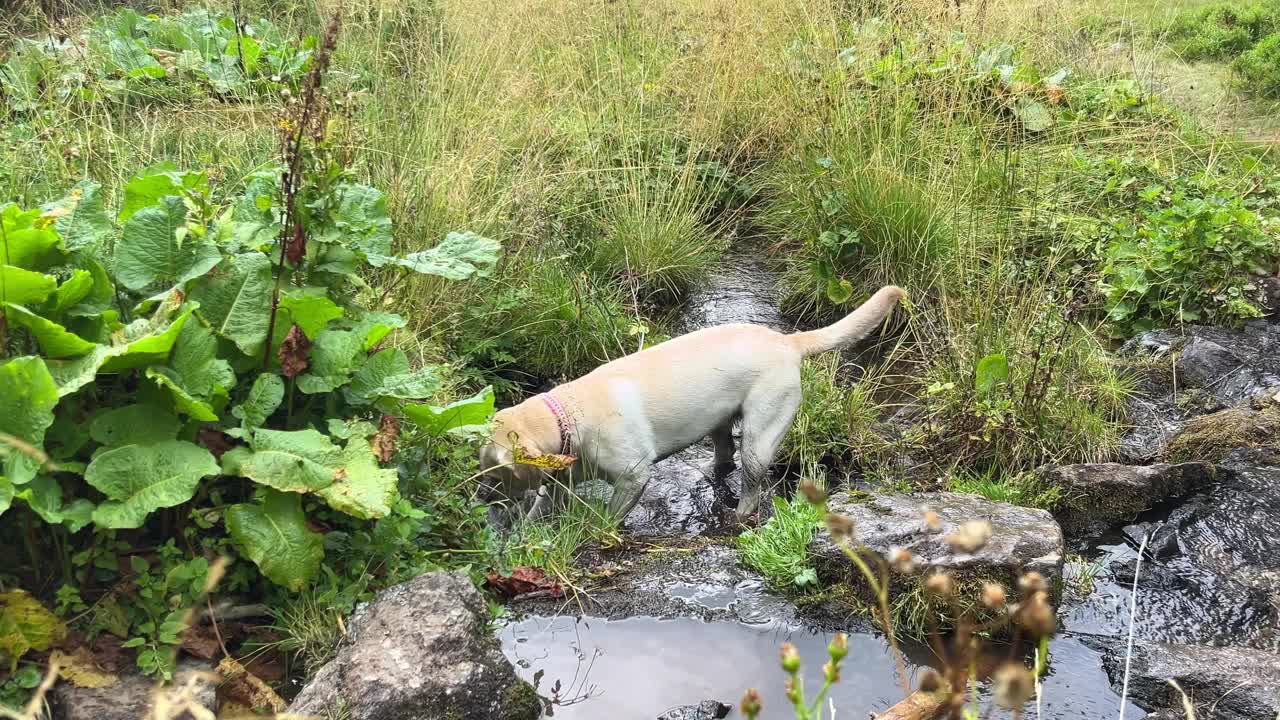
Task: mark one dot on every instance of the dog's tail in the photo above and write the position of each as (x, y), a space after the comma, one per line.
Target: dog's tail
(855, 326)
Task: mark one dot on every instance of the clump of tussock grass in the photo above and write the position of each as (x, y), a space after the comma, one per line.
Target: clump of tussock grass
(779, 550)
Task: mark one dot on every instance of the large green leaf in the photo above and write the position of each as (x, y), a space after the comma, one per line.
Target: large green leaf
(72, 290)
(24, 287)
(334, 357)
(6, 494)
(195, 360)
(992, 371)
(375, 326)
(183, 400)
(275, 537)
(82, 220)
(388, 375)
(29, 240)
(101, 295)
(469, 414)
(159, 181)
(235, 299)
(27, 398)
(458, 257)
(287, 460)
(264, 397)
(156, 249)
(44, 496)
(310, 310)
(139, 479)
(54, 340)
(360, 220)
(147, 342)
(362, 489)
(137, 424)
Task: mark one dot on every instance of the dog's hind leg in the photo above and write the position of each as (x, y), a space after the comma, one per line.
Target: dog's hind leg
(722, 438)
(766, 417)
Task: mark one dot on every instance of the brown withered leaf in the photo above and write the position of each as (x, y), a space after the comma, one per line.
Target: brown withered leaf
(296, 248)
(384, 443)
(268, 666)
(201, 641)
(524, 580)
(293, 353)
(244, 688)
(215, 441)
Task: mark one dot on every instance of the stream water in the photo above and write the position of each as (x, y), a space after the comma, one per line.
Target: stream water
(699, 627)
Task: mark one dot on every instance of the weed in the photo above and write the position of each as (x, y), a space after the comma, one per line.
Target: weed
(554, 545)
(1021, 489)
(780, 549)
(1259, 68)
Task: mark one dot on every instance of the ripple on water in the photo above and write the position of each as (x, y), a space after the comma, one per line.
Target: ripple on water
(635, 669)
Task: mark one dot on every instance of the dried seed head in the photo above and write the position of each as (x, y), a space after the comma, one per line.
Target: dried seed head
(790, 658)
(902, 560)
(1014, 686)
(841, 526)
(1036, 615)
(831, 671)
(971, 536)
(839, 647)
(932, 521)
(812, 493)
(1032, 582)
(993, 595)
(930, 681)
(940, 584)
(793, 691)
(750, 703)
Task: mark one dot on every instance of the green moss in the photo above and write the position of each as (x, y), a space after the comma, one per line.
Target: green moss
(1210, 438)
(521, 702)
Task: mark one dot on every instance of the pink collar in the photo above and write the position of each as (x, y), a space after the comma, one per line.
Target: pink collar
(563, 420)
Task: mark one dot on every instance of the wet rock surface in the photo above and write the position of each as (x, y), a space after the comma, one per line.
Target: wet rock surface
(706, 710)
(131, 697)
(420, 649)
(1098, 495)
(1022, 539)
(1212, 569)
(1222, 683)
(1195, 371)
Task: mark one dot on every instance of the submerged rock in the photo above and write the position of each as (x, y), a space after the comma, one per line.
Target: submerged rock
(132, 695)
(421, 649)
(1022, 539)
(1222, 683)
(1098, 495)
(706, 710)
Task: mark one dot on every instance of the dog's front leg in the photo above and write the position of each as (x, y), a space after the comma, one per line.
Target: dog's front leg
(627, 489)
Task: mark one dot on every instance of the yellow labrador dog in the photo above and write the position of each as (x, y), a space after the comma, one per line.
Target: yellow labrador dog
(628, 414)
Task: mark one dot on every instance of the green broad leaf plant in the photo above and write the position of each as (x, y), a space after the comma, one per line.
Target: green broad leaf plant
(195, 358)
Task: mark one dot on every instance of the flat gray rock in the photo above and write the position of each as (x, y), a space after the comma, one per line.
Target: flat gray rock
(128, 699)
(421, 650)
(1022, 539)
(1098, 496)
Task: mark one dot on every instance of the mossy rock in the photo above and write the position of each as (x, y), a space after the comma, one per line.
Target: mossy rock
(521, 702)
(1210, 438)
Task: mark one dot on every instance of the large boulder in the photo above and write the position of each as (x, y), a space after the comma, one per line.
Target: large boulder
(1223, 683)
(1210, 438)
(1097, 496)
(132, 694)
(421, 650)
(1022, 539)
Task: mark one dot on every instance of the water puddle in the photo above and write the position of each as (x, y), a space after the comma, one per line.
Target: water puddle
(638, 668)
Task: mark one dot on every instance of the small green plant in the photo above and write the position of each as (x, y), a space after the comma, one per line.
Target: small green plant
(780, 549)
(1021, 489)
(1222, 30)
(554, 544)
(130, 54)
(1259, 68)
(1187, 256)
